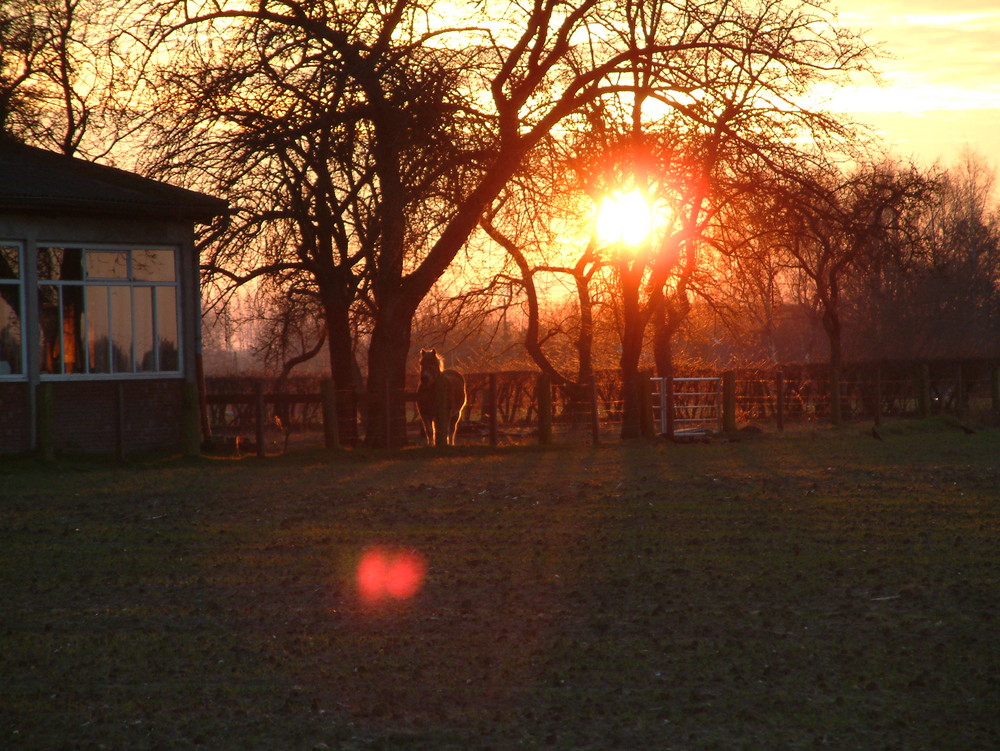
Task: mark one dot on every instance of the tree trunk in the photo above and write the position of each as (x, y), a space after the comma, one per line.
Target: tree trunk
(831, 322)
(634, 325)
(387, 359)
(342, 370)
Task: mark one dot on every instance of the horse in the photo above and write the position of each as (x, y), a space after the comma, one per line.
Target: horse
(431, 373)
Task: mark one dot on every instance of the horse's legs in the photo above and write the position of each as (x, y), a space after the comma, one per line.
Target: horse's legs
(428, 426)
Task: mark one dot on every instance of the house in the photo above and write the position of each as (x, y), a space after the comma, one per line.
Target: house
(100, 318)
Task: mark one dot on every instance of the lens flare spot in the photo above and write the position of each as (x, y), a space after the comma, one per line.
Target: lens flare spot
(385, 574)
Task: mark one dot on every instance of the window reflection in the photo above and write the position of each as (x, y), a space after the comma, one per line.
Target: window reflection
(50, 338)
(95, 316)
(166, 328)
(10, 311)
(10, 329)
(153, 265)
(10, 266)
(60, 264)
(121, 329)
(98, 331)
(142, 316)
(107, 265)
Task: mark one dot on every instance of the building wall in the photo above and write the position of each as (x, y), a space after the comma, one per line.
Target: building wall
(85, 415)
(15, 435)
(85, 410)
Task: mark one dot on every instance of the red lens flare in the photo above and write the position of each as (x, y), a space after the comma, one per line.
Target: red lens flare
(385, 574)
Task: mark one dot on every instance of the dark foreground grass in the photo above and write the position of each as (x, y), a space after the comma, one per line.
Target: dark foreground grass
(811, 591)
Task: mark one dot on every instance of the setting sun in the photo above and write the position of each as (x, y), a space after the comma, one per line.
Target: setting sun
(624, 217)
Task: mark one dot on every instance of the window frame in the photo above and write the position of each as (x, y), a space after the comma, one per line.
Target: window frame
(22, 304)
(129, 283)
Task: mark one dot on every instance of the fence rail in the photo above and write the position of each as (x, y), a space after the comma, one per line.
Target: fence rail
(516, 406)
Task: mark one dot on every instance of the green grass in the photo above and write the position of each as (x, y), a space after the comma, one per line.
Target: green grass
(804, 591)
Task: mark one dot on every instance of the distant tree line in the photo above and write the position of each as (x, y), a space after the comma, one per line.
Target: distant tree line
(404, 173)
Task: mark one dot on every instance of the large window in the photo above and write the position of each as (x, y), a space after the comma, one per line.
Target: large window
(107, 311)
(11, 311)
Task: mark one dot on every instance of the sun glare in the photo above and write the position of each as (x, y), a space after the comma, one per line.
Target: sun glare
(624, 217)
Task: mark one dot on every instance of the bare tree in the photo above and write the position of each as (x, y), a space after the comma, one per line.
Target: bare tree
(843, 225)
(61, 84)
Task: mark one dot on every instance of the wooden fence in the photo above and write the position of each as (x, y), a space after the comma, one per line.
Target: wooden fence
(518, 406)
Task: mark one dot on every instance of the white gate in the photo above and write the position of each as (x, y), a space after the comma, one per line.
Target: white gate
(697, 405)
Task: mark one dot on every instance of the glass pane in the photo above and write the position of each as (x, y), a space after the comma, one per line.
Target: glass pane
(121, 329)
(107, 265)
(60, 263)
(49, 336)
(98, 331)
(10, 329)
(142, 307)
(166, 327)
(74, 355)
(10, 266)
(153, 265)
(49, 329)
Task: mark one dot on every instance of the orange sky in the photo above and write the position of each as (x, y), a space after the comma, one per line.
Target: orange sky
(942, 79)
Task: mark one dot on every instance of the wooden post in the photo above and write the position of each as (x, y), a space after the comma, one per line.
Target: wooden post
(959, 391)
(258, 390)
(441, 412)
(836, 408)
(779, 387)
(192, 425)
(995, 388)
(668, 384)
(646, 429)
(491, 403)
(202, 399)
(729, 402)
(924, 389)
(387, 414)
(331, 425)
(46, 422)
(595, 417)
(878, 396)
(544, 395)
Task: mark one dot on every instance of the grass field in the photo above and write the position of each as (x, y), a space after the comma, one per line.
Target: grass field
(803, 591)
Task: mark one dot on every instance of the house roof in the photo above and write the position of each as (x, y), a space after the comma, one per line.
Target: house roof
(33, 179)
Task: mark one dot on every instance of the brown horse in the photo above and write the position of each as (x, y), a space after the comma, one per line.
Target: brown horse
(432, 373)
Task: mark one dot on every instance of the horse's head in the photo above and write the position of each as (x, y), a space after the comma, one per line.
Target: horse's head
(431, 365)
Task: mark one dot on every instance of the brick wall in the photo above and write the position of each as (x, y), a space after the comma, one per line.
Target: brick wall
(14, 434)
(85, 415)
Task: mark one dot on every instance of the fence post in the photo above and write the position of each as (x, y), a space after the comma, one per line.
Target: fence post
(258, 392)
(924, 389)
(729, 402)
(836, 406)
(331, 425)
(544, 394)
(646, 404)
(192, 422)
(595, 416)
(779, 386)
(668, 383)
(995, 388)
(46, 422)
(959, 391)
(878, 396)
(491, 403)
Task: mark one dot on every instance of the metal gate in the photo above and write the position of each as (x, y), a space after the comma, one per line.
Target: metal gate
(697, 405)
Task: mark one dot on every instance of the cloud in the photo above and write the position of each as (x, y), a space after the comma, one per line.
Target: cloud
(935, 59)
